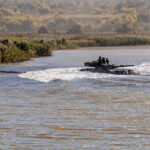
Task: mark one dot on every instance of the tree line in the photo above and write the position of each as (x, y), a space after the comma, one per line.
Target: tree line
(75, 16)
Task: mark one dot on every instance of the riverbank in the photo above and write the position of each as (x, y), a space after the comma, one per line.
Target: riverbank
(119, 48)
(20, 47)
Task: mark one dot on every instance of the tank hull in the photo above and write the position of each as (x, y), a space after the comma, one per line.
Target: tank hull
(95, 66)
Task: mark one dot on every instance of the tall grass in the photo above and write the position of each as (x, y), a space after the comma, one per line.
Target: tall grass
(122, 41)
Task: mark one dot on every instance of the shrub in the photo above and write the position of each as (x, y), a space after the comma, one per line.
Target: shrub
(61, 42)
(7, 42)
(12, 54)
(23, 50)
(23, 45)
(43, 30)
(42, 49)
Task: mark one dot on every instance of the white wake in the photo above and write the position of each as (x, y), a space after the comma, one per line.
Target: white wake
(75, 73)
(62, 74)
(142, 69)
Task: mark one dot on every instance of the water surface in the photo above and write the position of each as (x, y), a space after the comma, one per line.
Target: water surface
(52, 105)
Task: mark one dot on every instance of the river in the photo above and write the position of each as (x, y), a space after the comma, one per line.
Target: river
(52, 105)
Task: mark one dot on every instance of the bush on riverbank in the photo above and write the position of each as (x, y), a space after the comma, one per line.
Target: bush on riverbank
(11, 54)
(42, 49)
(22, 50)
(34, 48)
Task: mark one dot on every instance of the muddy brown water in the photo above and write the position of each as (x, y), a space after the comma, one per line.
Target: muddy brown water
(54, 106)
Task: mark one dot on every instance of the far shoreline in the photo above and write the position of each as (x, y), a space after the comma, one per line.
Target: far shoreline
(100, 48)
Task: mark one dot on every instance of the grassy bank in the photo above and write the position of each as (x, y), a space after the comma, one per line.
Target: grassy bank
(110, 40)
(21, 47)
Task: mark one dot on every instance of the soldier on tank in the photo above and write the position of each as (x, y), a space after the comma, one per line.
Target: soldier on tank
(100, 60)
(103, 61)
(107, 61)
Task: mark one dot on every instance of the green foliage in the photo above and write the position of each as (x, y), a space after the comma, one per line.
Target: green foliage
(6, 42)
(12, 54)
(23, 45)
(20, 50)
(42, 49)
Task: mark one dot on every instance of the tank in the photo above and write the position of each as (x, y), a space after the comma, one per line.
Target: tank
(102, 65)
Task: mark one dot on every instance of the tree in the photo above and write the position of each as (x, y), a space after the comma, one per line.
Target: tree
(43, 30)
(74, 28)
